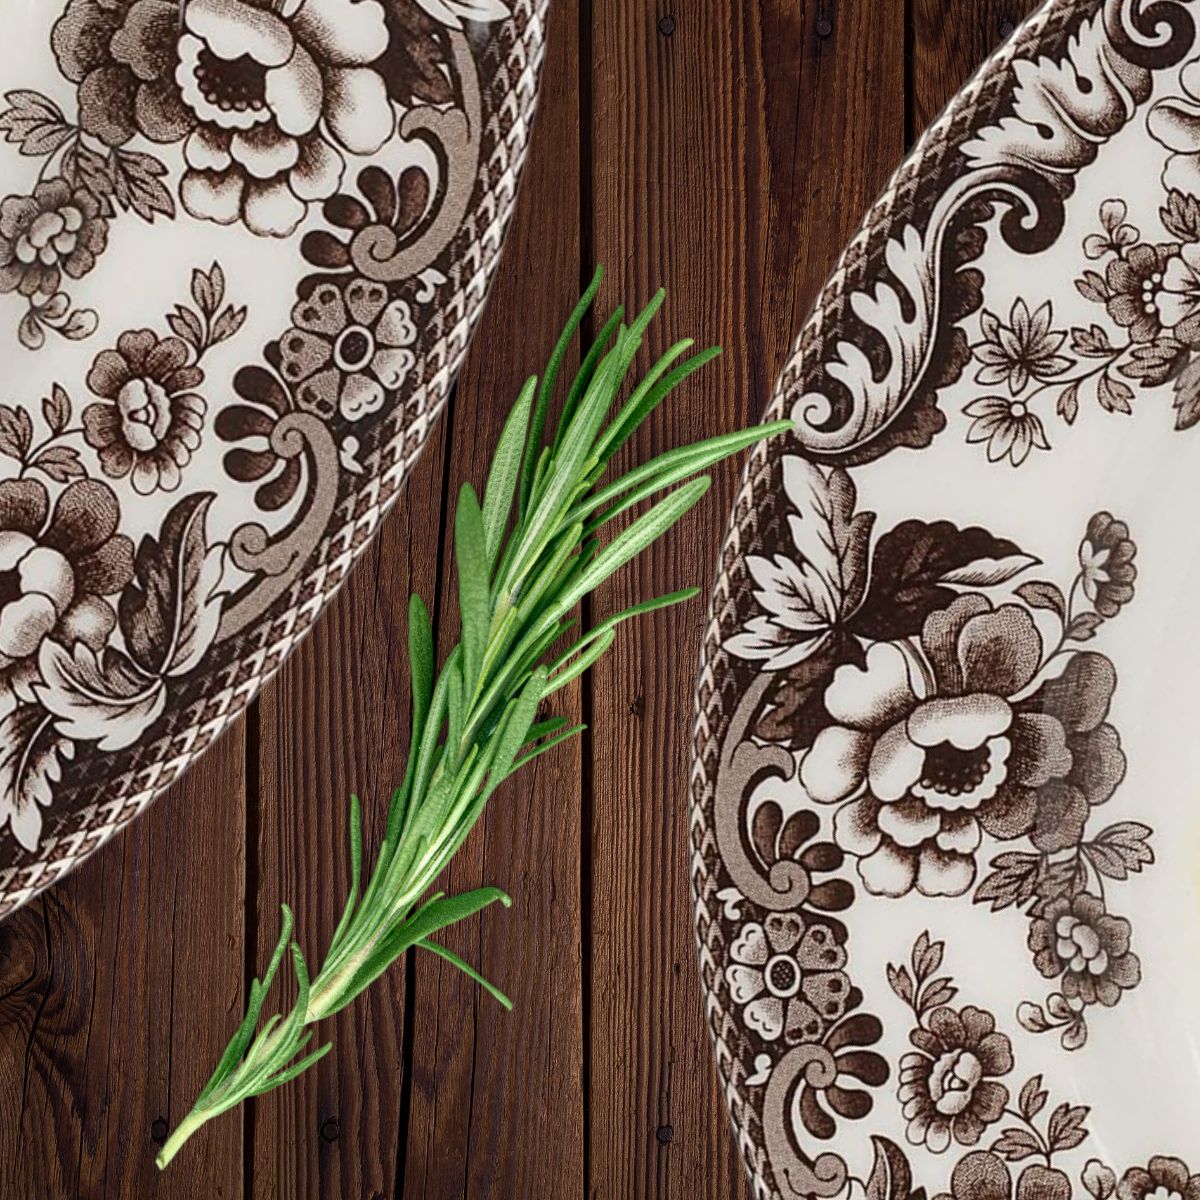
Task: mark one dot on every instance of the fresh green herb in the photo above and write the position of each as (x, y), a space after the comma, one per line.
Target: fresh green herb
(477, 721)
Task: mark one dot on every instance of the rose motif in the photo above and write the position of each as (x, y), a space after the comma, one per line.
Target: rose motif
(149, 420)
(921, 770)
(1175, 123)
(948, 1087)
(349, 347)
(57, 230)
(57, 562)
(123, 55)
(1165, 1178)
(1088, 947)
(278, 94)
(789, 978)
(983, 1175)
(1106, 557)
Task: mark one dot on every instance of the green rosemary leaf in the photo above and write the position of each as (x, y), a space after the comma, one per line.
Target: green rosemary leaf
(466, 968)
(645, 404)
(355, 872)
(474, 599)
(505, 472)
(547, 389)
(547, 745)
(632, 541)
(584, 376)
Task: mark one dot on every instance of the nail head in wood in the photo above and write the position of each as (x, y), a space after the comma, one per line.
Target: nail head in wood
(1007, 28)
(824, 27)
(330, 1129)
(666, 26)
(665, 1134)
(158, 1130)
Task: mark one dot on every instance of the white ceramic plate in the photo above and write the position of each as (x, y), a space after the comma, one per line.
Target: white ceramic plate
(243, 244)
(945, 819)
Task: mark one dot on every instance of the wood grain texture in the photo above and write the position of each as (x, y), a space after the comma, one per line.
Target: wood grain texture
(730, 156)
(117, 990)
(727, 152)
(497, 1097)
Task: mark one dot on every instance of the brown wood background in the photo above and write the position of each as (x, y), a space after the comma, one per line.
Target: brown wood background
(725, 149)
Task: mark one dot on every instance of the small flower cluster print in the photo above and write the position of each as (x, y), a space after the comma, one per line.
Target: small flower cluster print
(267, 102)
(1150, 295)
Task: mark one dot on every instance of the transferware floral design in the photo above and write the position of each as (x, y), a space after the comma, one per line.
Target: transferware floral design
(788, 977)
(142, 599)
(924, 691)
(279, 95)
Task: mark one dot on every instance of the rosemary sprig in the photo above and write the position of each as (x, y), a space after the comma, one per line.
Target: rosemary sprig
(477, 721)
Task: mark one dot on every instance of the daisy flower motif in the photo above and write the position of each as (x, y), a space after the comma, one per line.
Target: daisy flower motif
(1025, 348)
(1008, 427)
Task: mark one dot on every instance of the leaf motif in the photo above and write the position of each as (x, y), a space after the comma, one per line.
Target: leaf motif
(829, 535)
(1083, 627)
(1066, 1129)
(1066, 878)
(227, 324)
(30, 764)
(1068, 403)
(1041, 593)
(1187, 396)
(107, 702)
(187, 325)
(56, 409)
(1015, 1144)
(1033, 1098)
(1092, 342)
(1181, 216)
(891, 1175)
(1154, 364)
(80, 324)
(1121, 850)
(1092, 286)
(1114, 395)
(990, 572)
(169, 614)
(60, 463)
(208, 289)
(16, 432)
(137, 184)
(909, 572)
(901, 983)
(35, 123)
(30, 332)
(1032, 1017)
(1013, 881)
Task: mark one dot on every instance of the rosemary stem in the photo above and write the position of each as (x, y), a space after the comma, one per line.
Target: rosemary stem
(184, 1130)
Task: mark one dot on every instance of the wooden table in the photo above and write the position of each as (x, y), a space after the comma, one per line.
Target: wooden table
(725, 149)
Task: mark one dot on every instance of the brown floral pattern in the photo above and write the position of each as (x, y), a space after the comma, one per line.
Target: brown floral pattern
(142, 599)
(924, 692)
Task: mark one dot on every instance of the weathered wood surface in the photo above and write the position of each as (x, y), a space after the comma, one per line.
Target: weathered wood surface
(726, 152)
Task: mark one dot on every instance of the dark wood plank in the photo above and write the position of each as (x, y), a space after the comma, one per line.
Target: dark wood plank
(735, 148)
(335, 721)
(949, 42)
(497, 1100)
(117, 991)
